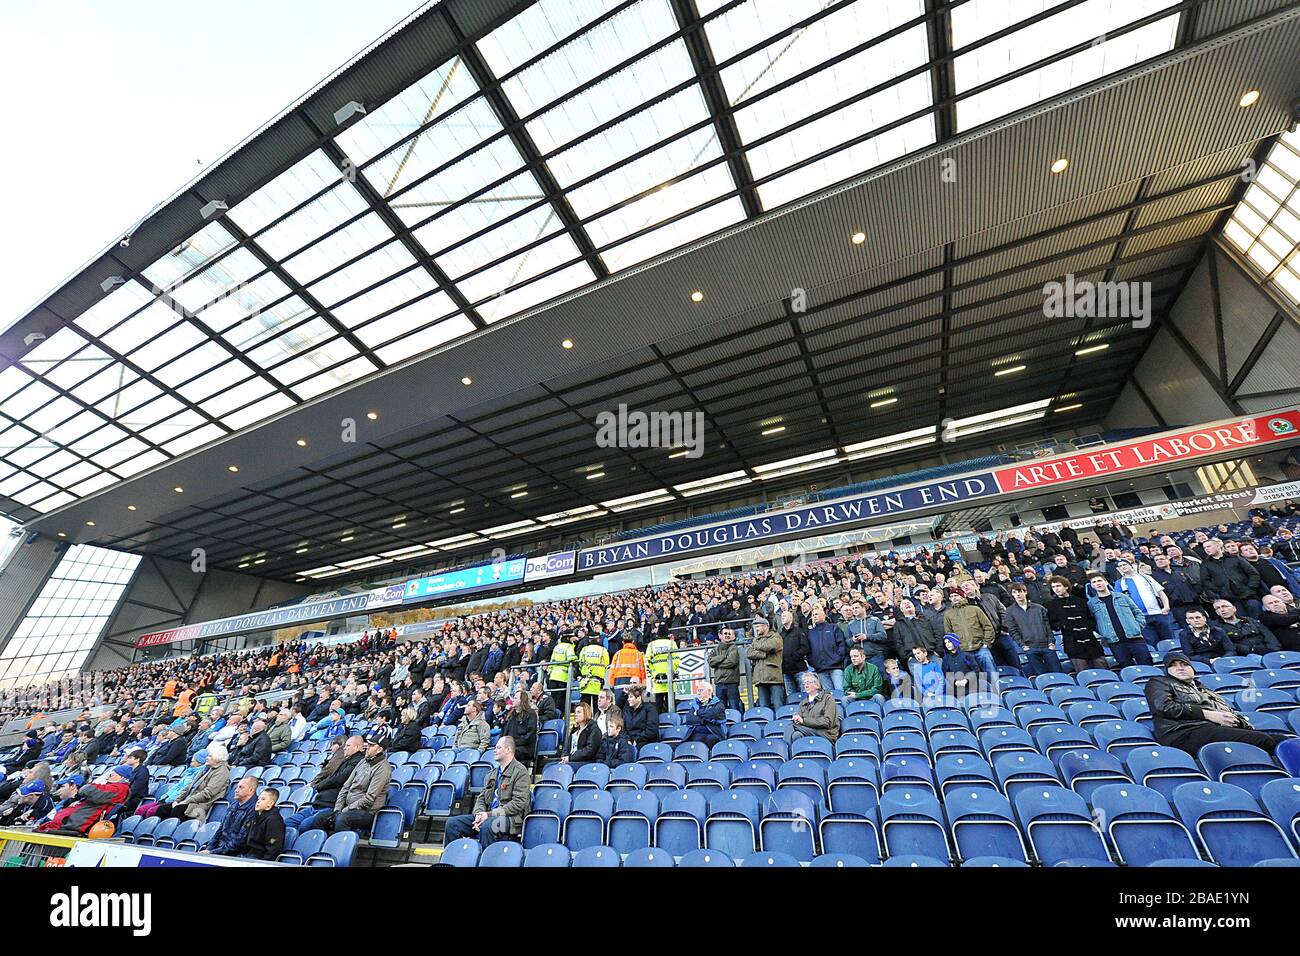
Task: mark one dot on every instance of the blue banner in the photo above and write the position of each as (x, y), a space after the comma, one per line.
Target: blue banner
(497, 574)
(743, 531)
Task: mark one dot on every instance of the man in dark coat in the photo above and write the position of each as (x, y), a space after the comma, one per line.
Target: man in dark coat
(330, 780)
(1188, 715)
(232, 836)
(256, 750)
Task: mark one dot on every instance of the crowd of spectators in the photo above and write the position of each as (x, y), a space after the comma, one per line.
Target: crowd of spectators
(932, 623)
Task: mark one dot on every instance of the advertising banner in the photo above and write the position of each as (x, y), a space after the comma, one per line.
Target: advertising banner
(466, 580)
(555, 565)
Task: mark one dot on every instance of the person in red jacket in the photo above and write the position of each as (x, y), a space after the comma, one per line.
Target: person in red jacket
(94, 801)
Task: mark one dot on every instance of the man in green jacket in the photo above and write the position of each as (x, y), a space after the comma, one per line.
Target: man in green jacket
(280, 733)
(862, 680)
(501, 805)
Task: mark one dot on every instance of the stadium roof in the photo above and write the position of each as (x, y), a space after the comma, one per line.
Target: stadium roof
(520, 174)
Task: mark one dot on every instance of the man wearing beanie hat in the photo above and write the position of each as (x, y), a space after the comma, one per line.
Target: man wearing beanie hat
(1188, 715)
(94, 801)
(30, 802)
(364, 793)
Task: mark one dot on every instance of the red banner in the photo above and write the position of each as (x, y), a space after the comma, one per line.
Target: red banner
(187, 633)
(1152, 452)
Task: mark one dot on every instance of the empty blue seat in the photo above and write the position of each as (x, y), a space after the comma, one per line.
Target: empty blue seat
(1022, 697)
(729, 751)
(601, 856)
(812, 748)
(762, 714)
(547, 854)
(337, 851)
(305, 845)
(907, 772)
(1279, 678)
(393, 821)
(1140, 825)
(1090, 713)
(503, 853)
(666, 778)
(852, 833)
(996, 741)
(545, 819)
(896, 721)
(949, 741)
(587, 820)
(747, 730)
(861, 723)
(186, 836)
(1033, 716)
(1230, 828)
(914, 860)
(1139, 673)
(983, 824)
(1018, 771)
(1237, 664)
(1243, 765)
(628, 776)
(771, 751)
(706, 858)
(1288, 755)
(732, 823)
(1162, 768)
(1044, 682)
(462, 853)
(1065, 694)
(912, 823)
(838, 860)
(590, 776)
(691, 751)
(852, 786)
(858, 745)
(958, 770)
(707, 777)
(632, 823)
(679, 828)
(1083, 771)
(1281, 798)
(945, 718)
(905, 744)
(982, 720)
(1096, 677)
(788, 824)
(770, 859)
(1058, 825)
(806, 776)
(1267, 700)
(655, 752)
(1117, 736)
(648, 857)
(555, 775)
(162, 837)
(1118, 692)
(1057, 739)
(1278, 660)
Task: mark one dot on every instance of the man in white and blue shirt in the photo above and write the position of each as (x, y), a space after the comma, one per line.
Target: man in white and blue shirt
(1147, 593)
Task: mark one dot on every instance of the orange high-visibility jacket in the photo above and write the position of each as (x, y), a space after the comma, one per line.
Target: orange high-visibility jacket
(628, 664)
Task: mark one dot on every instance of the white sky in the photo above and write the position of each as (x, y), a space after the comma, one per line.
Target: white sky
(118, 104)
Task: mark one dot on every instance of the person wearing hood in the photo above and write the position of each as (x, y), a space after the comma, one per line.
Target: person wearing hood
(961, 668)
(974, 630)
(927, 674)
(93, 803)
(1188, 715)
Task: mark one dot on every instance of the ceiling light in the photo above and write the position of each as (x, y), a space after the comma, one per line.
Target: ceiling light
(301, 551)
(90, 524)
(373, 416)
(1069, 408)
(859, 238)
(1249, 98)
(260, 561)
(567, 343)
(883, 402)
(467, 381)
(456, 511)
(399, 525)
(697, 296)
(232, 468)
(520, 494)
(130, 507)
(1010, 371)
(244, 565)
(347, 539)
(594, 475)
(1060, 165)
(301, 443)
(179, 490)
(63, 534)
(678, 454)
(1093, 348)
(773, 431)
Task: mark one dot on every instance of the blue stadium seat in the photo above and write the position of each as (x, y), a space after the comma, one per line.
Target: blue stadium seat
(896, 721)
(992, 717)
(959, 770)
(856, 834)
(1288, 755)
(679, 828)
(588, 819)
(1064, 694)
(759, 777)
(997, 741)
(556, 775)
(305, 844)
(982, 824)
(1140, 825)
(393, 821)
(1020, 697)
(206, 834)
(767, 858)
(838, 860)
(1057, 739)
(732, 823)
(861, 723)
(1083, 771)
(1277, 678)
(1279, 660)
(852, 786)
(915, 860)
(144, 830)
(1230, 828)
(648, 857)
(1058, 825)
(1089, 713)
(1034, 716)
(503, 853)
(788, 825)
(806, 776)
(545, 819)
(600, 856)
(655, 752)
(812, 748)
(590, 776)
(547, 855)
(912, 823)
(127, 830)
(666, 778)
(762, 714)
(950, 741)
(1243, 765)
(707, 777)
(691, 751)
(908, 773)
(1117, 736)
(747, 730)
(461, 853)
(162, 837)
(905, 744)
(858, 745)
(1045, 681)
(729, 752)
(772, 751)
(1139, 673)
(1162, 768)
(337, 851)
(1237, 664)
(1020, 771)
(628, 776)
(1281, 799)
(632, 823)
(186, 836)
(1267, 700)
(1118, 692)
(705, 858)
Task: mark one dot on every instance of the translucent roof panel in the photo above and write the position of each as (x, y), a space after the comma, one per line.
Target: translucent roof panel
(1265, 226)
(977, 19)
